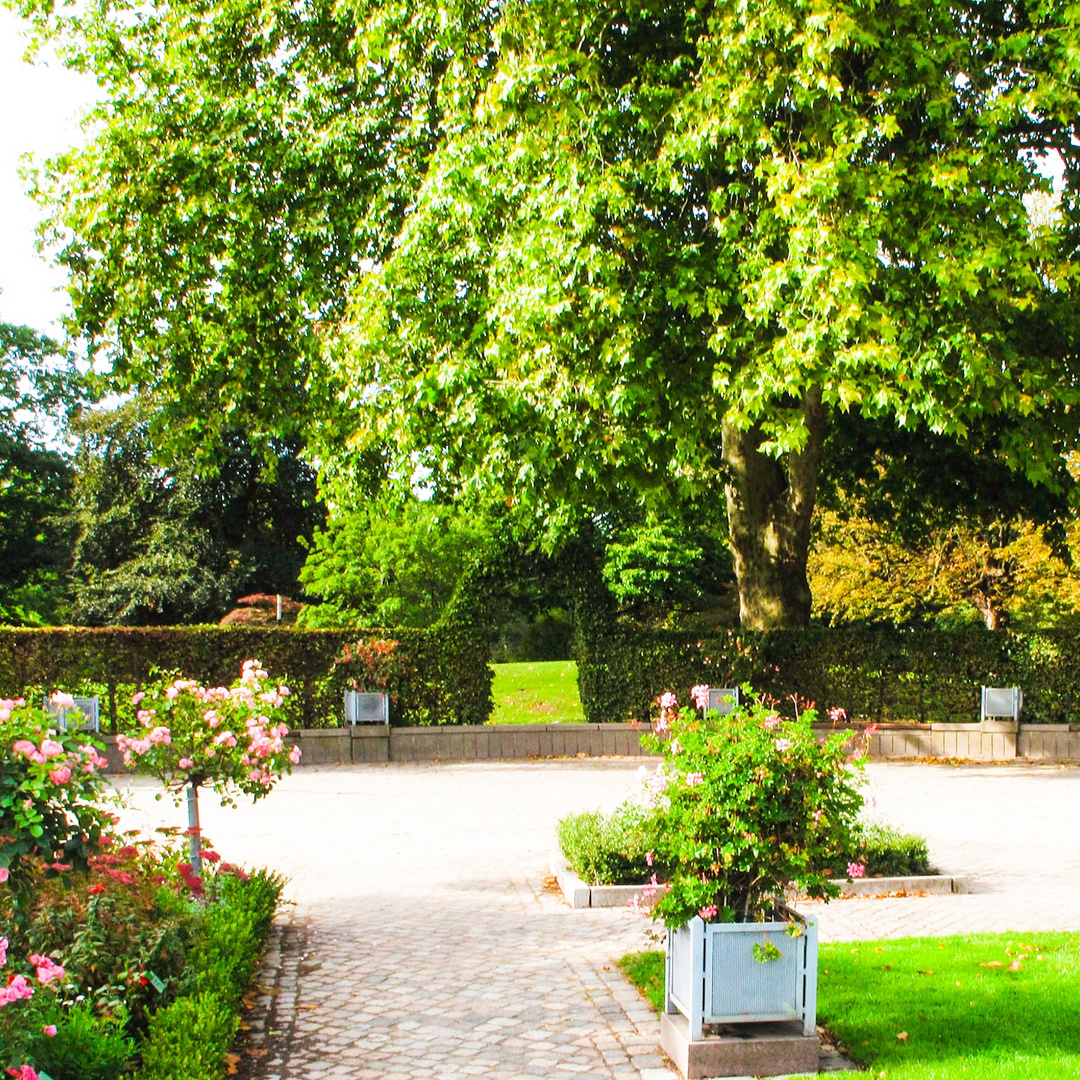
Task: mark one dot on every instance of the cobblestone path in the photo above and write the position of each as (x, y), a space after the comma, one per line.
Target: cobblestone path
(424, 943)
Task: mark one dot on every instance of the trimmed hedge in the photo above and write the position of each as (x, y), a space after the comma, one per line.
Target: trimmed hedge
(878, 673)
(188, 1038)
(446, 677)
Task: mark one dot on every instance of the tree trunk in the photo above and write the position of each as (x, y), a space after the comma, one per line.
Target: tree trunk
(770, 503)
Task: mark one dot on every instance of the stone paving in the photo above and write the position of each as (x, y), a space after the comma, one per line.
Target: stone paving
(422, 940)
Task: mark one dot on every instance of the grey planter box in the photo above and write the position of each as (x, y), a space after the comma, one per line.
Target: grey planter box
(712, 976)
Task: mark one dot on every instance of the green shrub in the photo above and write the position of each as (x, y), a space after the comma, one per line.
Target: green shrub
(86, 1046)
(887, 851)
(231, 934)
(612, 849)
(189, 1039)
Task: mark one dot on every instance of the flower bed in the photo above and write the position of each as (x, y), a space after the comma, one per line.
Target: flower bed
(118, 955)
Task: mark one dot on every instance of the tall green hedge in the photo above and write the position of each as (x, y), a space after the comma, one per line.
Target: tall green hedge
(874, 673)
(446, 677)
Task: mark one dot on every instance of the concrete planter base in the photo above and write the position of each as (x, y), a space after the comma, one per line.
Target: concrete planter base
(749, 1050)
(581, 895)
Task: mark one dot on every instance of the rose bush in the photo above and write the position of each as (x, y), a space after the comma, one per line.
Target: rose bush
(224, 738)
(50, 788)
(751, 804)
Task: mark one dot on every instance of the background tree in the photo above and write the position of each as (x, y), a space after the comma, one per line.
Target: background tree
(244, 162)
(38, 385)
(391, 561)
(596, 254)
(164, 545)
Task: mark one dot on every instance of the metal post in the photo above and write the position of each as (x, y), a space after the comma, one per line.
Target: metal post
(279, 607)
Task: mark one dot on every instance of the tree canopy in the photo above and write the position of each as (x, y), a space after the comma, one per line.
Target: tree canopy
(589, 251)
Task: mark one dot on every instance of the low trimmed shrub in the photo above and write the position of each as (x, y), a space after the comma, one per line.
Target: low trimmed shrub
(612, 849)
(189, 1039)
(885, 850)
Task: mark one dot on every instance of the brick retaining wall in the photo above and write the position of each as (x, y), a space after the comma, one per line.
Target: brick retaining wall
(990, 741)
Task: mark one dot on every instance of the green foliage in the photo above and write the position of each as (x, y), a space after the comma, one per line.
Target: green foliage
(662, 272)
(188, 1040)
(875, 673)
(388, 562)
(884, 849)
(231, 932)
(447, 679)
(86, 1046)
(38, 387)
(663, 566)
(750, 805)
(614, 849)
(161, 542)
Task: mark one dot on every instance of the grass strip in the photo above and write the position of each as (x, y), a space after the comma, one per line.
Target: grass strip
(976, 1007)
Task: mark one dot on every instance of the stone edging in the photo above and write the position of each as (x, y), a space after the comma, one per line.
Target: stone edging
(580, 895)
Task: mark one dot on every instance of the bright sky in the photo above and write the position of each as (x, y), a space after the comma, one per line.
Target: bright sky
(39, 109)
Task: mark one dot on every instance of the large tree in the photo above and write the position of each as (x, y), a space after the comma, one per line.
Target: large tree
(596, 251)
(672, 245)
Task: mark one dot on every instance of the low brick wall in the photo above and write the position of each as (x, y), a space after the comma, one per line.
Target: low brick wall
(366, 743)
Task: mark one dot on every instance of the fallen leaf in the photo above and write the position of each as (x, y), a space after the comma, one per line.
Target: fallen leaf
(926, 973)
(1015, 965)
(307, 1008)
(992, 963)
(231, 1061)
(1039, 957)
(886, 967)
(252, 1052)
(879, 949)
(901, 1036)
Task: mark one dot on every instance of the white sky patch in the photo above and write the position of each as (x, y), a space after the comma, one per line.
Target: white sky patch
(39, 109)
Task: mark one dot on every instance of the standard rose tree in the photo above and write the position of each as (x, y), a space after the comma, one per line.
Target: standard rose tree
(224, 738)
(49, 784)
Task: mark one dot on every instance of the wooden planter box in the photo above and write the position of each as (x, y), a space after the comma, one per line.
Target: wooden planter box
(713, 977)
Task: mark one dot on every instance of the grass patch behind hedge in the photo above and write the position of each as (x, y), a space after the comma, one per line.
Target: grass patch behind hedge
(977, 1007)
(545, 692)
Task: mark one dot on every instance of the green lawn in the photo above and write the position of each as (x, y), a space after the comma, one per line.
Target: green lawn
(540, 693)
(984, 1007)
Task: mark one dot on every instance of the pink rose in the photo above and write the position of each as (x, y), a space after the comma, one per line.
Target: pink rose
(50, 1030)
(24, 746)
(51, 748)
(47, 970)
(61, 775)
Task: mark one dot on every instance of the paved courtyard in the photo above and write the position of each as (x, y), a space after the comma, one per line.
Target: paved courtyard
(422, 941)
